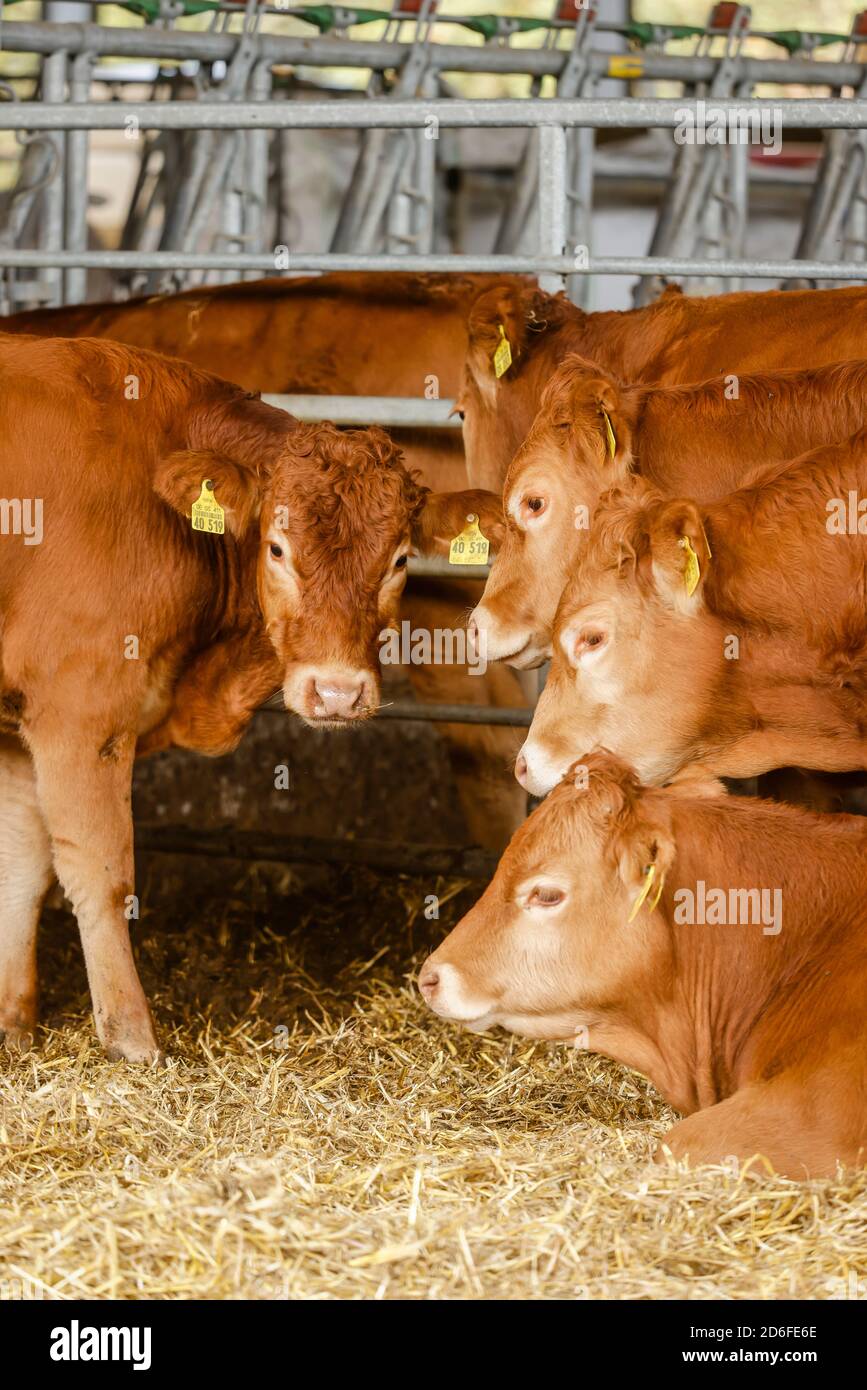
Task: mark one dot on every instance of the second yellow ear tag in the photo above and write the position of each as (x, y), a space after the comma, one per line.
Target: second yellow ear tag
(691, 568)
(470, 547)
(207, 514)
(609, 434)
(649, 876)
(503, 354)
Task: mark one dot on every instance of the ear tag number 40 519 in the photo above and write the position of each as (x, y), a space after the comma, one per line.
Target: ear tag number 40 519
(207, 514)
(470, 547)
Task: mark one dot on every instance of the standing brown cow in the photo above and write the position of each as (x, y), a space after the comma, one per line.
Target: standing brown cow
(391, 334)
(120, 622)
(715, 944)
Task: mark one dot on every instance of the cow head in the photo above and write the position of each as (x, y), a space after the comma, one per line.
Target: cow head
(636, 655)
(578, 444)
(325, 520)
(497, 410)
(549, 950)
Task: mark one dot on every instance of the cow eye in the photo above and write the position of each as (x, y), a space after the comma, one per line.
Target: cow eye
(461, 414)
(590, 639)
(276, 550)
(400, 562)
(545, 896)
(536, 505)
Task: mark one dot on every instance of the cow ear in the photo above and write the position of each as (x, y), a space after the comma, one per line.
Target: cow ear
(497, 330)
(680, 554)
(645, 854)
(179, 477)
(614, 427)
(444, 516)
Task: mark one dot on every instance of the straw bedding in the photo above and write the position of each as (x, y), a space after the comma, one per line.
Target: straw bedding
(318, 1134)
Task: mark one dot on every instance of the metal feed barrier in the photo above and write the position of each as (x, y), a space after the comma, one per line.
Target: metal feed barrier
(207, 199)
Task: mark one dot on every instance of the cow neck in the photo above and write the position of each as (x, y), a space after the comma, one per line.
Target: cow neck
(625, 342)
(231, 600)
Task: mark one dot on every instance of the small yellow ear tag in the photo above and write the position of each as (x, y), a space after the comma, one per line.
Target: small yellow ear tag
(609, 434)
(207, 514)
(470, 547)
(691, 568)
(649, 876)
(503, 354)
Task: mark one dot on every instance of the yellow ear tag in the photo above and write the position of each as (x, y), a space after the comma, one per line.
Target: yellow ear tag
(609, 434)
(649, 876)
(691, 568)
(207, 514)
(503, 354)
(470, 547)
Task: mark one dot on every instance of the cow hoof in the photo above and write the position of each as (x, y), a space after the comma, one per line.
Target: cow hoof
(18, 1040)
(150, 1057)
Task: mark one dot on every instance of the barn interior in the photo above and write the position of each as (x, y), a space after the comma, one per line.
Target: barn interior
(316, 1133)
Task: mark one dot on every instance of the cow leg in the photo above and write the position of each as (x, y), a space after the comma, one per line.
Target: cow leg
(795, 1125)
(25, 877)
(84, 783)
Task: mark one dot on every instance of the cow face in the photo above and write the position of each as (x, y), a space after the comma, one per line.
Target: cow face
(335, 528)
(636, 656)
(326, 521)
(578, 444)
(549, 949)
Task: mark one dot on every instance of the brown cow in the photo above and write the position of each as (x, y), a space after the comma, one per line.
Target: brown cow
(590, 434)
(676, 340)
(119, 621)
(715, 944)
(728, 639)
(371, 334)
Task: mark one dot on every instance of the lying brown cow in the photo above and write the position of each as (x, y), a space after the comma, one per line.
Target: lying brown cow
(121, 622)
(715, 944)
(391, 334)
(677, 339)
(590, 434)
(728, 639)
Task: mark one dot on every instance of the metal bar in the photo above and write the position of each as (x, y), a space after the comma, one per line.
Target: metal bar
(77, 152)
(26, 37)
(52, 212)
(229, 843)
(518, 265)
(441, 569)
(390, 411)
(598, 113)
(552, 200)
(415, 712)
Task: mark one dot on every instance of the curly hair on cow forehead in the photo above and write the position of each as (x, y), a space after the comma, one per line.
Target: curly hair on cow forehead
(345, 491)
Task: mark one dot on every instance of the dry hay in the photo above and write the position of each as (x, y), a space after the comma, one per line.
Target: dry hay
(368, 1150)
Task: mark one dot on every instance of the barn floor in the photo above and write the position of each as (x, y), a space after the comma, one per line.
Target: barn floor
(317, 1134)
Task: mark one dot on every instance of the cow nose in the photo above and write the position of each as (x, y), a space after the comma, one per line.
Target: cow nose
(473, 635)
(521, 769)
(336, 699)
(428, 981)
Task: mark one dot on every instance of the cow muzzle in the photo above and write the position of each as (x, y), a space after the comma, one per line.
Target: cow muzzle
(495, 641)
(535, 770)
(445, 991)
(332, 697)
